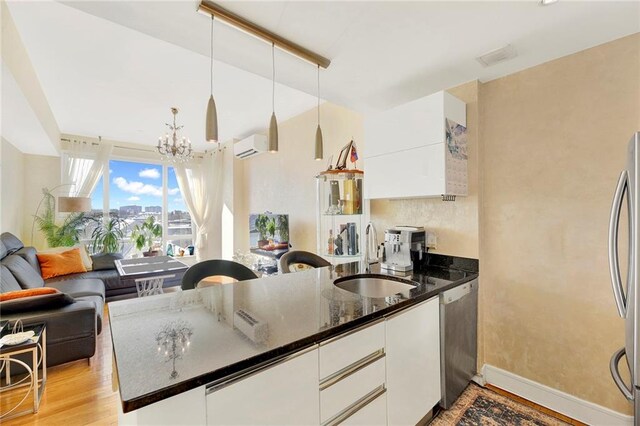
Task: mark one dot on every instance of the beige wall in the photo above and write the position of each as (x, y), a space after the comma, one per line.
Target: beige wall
(40, 171)
(11, 189)
(285, 182)
(454, 223)
(554, 141)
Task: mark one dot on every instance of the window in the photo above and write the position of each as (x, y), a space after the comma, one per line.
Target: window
(96, 213)
(179, 226)
(135, 193)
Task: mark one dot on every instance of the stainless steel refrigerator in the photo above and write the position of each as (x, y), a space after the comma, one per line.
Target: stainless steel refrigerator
(627, 293)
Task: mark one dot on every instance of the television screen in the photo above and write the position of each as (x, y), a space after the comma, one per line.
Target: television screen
(269, 231)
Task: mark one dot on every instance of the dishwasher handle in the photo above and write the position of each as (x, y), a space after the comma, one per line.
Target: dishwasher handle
(457, 293)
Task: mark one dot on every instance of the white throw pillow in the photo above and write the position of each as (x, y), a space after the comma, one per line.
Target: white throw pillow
(84, 254)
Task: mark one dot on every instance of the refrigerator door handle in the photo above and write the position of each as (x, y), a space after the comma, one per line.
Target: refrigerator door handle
(614, 264)
(615, 373)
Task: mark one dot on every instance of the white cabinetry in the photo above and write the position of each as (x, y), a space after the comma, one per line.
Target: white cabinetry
(284, 394)
(352, 378)
(417, 149)
(385, 373)
(413, 363)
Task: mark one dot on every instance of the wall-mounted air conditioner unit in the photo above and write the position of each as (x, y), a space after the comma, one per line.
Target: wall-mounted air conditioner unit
(250, 147)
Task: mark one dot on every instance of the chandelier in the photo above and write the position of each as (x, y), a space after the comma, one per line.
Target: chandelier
(171, 146)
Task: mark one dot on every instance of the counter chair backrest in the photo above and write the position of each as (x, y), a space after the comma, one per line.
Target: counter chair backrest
(215, 267)
(300, 256)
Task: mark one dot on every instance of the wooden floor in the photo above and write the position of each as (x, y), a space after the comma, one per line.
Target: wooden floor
(81, 394)
(76, 393)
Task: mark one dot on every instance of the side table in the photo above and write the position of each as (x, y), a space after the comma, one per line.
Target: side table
(37, 348)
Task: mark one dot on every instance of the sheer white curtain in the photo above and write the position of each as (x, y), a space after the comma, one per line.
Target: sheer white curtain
(83, 166)
(201, 187)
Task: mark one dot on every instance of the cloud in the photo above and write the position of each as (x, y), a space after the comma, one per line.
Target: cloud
(133, 198)
(137, 188)
(178, 200)
(150, 173)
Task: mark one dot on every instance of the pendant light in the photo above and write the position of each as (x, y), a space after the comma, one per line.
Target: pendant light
(318, 150)
(211, 130)
(273, 125)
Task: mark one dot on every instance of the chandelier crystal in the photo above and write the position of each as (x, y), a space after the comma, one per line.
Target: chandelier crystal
(171, 146)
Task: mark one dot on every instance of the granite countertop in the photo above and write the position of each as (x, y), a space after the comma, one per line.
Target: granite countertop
(167, 344)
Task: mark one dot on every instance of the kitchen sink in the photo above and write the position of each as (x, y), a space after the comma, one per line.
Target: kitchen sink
(376, 287)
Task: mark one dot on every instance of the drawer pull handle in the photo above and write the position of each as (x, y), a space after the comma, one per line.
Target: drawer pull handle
(355, 407)
(351, 369)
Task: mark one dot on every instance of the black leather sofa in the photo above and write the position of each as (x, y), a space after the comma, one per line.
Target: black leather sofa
(71, 328)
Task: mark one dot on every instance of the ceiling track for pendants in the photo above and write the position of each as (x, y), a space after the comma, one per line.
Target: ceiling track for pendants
(239, 22)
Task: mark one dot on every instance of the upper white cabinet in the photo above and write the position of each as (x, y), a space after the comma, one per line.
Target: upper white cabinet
(418, 149)
(413, 363)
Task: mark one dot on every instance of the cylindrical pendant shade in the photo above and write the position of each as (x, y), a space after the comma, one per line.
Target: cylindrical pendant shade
(273, 134)
(74, 204)
(212, 121)
(318, 154)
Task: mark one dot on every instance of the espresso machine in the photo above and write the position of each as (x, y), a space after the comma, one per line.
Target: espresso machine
(403, 245)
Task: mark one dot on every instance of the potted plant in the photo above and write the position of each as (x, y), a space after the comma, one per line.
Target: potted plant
(283, 228)
(261, 226)
(145, 235)
(107, 236)
(66, 234)
(271, 228)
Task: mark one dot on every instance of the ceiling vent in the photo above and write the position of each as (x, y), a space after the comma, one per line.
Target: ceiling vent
(496, 56)
(250, 147)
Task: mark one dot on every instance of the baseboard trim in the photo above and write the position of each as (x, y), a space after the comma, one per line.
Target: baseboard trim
(561, 402)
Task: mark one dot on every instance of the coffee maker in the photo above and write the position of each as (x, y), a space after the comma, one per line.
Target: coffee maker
(403, 246)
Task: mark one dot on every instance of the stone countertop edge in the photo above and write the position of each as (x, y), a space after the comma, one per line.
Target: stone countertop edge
(274, 355)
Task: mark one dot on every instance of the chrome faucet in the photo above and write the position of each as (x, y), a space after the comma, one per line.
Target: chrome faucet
(370, 237)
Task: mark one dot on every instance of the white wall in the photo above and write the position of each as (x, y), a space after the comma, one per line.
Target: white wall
(40, 171)
(285, 182)
(11, 189)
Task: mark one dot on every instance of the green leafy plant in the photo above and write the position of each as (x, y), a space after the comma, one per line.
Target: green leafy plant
(146, 234)
(66, 234)
(261, 225)
(107, 236)
(283, 227)
(271, 227)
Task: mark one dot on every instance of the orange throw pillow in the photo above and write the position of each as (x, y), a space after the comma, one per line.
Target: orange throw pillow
(18, 294)
(56, 264)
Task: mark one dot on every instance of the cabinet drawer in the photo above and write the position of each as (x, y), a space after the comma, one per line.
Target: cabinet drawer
(347, 391)
(372, 414)
(283, 394)
(344, 351)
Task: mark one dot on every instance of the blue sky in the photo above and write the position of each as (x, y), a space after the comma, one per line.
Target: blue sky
(138, 184)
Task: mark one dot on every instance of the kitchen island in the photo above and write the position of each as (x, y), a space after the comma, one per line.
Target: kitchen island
(171, 345)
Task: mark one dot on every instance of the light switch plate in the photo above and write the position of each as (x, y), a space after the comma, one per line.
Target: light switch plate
(432, 240)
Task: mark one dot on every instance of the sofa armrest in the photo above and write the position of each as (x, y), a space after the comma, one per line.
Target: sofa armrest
(70, 322)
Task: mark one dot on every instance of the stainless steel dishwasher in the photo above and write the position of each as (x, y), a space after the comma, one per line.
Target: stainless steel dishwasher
(458, 340)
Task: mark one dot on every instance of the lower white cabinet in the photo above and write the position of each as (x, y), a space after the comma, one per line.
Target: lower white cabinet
(373, 414)
(283, 394)
(413, 363)
(352, 378)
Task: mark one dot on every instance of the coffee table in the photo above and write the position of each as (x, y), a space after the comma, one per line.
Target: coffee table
(149, 273)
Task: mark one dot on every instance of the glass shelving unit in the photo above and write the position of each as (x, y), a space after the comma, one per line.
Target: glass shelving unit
(340, 217)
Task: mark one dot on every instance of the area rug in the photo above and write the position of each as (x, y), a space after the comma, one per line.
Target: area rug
(480, 406)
